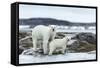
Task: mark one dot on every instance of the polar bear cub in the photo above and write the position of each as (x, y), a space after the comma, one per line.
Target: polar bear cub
(58, 44)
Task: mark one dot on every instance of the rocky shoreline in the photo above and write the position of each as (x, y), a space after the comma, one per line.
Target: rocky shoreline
(81, 42)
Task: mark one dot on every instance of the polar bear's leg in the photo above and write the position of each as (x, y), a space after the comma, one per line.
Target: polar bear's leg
(35, 45)
(39, 44)
(34, 41)
(63, 49)
(51, 49)
(45, 46)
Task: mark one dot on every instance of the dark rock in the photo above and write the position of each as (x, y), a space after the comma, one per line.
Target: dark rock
(81, 46)
(89, 37)
(86, 47)
(82, 42)
(24, 34)
(59, 35)
(21, 49)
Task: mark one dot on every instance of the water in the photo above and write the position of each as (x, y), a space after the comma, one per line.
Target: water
(78, 30)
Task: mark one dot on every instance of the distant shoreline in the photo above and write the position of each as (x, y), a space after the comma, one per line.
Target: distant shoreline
(53, 21)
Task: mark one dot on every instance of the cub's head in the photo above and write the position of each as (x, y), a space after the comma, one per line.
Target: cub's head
(67, 38)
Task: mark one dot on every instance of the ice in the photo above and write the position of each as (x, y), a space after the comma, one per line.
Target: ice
(56, 58)
(24, 26)
(74, 29)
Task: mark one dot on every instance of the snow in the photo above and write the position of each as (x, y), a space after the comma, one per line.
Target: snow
(24, 26)
(56, 58)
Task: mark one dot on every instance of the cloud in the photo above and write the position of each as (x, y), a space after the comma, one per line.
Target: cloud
(64, 13)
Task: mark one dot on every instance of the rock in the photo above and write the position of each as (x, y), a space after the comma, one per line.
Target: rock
(24, 34)
(30, 51)
(59, 35)
(87, 42)
(86, 47)
(92, 52)
(27, 44)
(73, 44)
(21, 49)
(80, 46)
(89, 37)
(82, 42)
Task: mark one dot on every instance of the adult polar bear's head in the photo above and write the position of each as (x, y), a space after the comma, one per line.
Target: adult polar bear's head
(53, 31)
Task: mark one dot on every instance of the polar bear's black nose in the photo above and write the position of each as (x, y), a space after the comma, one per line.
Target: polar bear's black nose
(53, 29)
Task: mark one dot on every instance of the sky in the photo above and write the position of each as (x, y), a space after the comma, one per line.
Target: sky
(73, 14)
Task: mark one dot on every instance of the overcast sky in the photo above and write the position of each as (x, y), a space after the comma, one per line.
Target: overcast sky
(64, 13)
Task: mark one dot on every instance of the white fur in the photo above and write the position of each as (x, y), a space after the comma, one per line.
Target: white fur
(58, 43)
(43, 33)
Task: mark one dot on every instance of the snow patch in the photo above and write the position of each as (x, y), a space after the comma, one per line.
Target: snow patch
(56, 58)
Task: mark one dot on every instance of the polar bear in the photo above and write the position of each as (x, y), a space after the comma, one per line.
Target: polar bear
(58, 44)
(43, 33)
